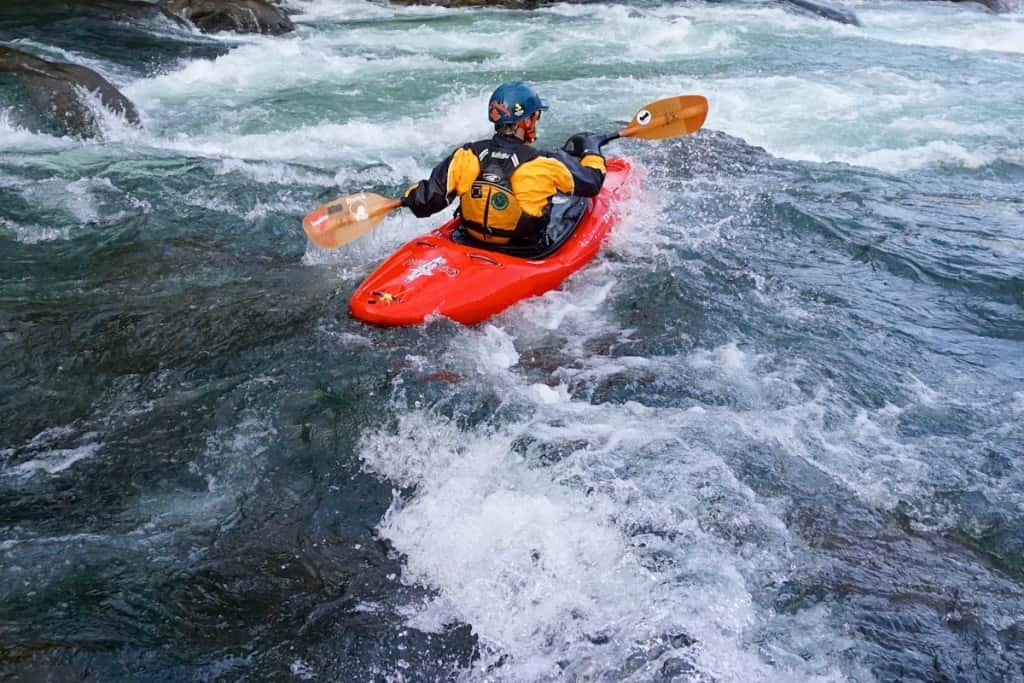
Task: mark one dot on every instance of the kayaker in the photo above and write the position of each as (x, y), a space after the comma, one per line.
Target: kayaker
(504, 185)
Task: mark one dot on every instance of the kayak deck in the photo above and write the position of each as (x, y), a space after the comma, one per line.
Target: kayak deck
(435, 275)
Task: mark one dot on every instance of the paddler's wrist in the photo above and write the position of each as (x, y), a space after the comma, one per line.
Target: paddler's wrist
(407, 197)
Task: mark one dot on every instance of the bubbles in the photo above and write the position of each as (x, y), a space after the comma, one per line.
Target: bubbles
(17, 139)
(54, 462)
(571, 541)
(495, 350)
(935, 153)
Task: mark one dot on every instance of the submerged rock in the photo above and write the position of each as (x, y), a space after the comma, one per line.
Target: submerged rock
(997, 6)
(240, 16)
(843, 16)
(60, 91)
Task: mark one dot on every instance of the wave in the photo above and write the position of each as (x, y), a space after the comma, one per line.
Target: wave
(966, 28)
(526, 532)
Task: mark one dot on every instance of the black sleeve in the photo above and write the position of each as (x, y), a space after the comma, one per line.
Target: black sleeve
(429, 196)
(587, 180)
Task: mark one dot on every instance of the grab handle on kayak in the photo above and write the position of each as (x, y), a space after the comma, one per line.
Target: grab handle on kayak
(482, 257)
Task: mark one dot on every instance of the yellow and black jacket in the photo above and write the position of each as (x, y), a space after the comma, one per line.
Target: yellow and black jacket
(505, 188)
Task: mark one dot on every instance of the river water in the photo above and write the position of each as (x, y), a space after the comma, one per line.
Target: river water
(774, 432)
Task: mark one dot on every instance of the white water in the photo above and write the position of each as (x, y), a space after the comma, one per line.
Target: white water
(860, 113)
(624, 542)
(576, 535)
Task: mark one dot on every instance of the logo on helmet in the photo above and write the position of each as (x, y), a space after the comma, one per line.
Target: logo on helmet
(497, 110)
(518, 109)
(499, 200)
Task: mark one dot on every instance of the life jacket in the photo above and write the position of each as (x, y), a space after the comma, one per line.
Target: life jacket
(490, 211)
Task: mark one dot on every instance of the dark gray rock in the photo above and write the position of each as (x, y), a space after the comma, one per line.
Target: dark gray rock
(121, 10)
(843, 16)
(56, 90)
(240, 16)
(676, 668)
(996, 6)
(138, 37)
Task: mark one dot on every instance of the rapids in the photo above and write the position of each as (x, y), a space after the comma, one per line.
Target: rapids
(774, 432)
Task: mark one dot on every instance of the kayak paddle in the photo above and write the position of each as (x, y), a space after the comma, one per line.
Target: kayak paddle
(343, 220)
(349, 218)
(667, 118)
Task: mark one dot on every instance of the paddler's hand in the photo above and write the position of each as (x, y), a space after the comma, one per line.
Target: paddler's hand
(407, 197)
(582, 144)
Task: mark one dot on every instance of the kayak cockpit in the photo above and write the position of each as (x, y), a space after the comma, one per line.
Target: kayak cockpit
(567, 212)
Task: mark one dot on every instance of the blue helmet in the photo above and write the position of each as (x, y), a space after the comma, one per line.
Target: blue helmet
(513, 102)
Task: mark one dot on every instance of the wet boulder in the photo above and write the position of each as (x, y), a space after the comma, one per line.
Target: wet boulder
(121, 10)
(128, 10)
(133, 34)
(240, 16)
(62, 92)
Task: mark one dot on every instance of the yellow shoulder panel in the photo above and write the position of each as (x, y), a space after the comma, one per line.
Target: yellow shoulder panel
(536, 181)
(462, 171)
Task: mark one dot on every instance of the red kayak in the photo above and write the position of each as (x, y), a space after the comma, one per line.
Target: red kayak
(436, 275)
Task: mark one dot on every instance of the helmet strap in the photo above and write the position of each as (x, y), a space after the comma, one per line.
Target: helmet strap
(529, 128)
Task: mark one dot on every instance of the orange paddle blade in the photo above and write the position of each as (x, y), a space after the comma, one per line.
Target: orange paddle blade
(346, 219)
(667, 118)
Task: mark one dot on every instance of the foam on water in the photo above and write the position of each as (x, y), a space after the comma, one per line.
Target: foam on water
(934, 153)
(274, 173)
(544, 529)
(573, 542)
(381, 146)
(28, 233)
(842, 127)
(862, 121)
(50, 452)
(317, 12)
(14, 138)
(959, 27)
(667, 32)
(53, 462)
(72, 204)
(287, 65)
